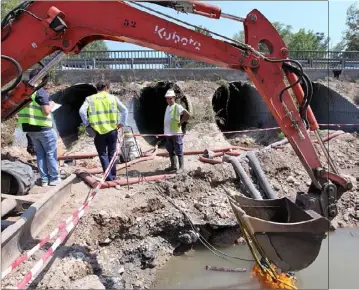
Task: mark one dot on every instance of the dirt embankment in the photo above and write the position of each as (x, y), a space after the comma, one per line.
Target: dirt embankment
(127, 234)
(121, 243)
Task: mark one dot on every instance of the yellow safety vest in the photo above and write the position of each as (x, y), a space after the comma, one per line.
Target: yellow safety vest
(175, 119)
(33, 115)
(102, 112)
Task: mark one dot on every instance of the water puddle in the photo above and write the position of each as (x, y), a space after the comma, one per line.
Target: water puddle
(336, 267)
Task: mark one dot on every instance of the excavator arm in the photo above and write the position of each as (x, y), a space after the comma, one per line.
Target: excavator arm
(35, 30)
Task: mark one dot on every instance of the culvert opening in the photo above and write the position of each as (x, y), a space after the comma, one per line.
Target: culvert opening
(331, 107)
(150, 108)
(67, 117)
(238, 106)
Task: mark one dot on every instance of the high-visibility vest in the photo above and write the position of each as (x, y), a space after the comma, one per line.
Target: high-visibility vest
(102, 112)
(33, 115)
(175, 119)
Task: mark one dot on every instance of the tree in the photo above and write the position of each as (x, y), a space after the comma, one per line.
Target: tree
(308, 40)
(285, 31)
(351, 34)
(298, 41)
(7, 6)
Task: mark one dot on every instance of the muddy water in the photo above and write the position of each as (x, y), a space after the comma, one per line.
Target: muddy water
(336, 267)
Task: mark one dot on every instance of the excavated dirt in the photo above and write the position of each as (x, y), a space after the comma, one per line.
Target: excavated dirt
(128, 234)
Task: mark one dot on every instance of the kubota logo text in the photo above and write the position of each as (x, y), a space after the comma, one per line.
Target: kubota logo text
(163, 34)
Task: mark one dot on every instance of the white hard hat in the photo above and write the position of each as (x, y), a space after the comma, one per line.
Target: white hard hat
(170, 93)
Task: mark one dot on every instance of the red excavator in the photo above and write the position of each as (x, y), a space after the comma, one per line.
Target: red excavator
(288, 232)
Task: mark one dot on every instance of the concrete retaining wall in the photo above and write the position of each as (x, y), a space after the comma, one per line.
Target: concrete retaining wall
(80, 76)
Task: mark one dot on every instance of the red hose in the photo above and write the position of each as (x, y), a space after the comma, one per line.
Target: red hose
(162, 154)
(146, 157)
(331, 136)
(210, 161)
(233, 153)
(92, 182)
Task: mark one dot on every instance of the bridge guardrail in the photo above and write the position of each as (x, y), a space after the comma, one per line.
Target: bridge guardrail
(149, 59)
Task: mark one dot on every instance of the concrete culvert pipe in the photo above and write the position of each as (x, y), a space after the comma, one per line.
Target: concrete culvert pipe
(67, 117)
(331, 107)
(151, 105)
(238, 106)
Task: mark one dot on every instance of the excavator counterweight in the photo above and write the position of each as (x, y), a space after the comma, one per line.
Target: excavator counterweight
(288, 232)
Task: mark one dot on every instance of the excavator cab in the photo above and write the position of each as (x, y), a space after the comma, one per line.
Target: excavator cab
(286, 235)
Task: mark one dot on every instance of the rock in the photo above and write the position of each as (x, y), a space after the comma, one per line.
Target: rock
(291, 179)
(88, 282)
(240, 240)
(346, 217)
(107, 241)
(185, 239)
(116, 283)
(78, 255)
(121, 270)
(340, 224)
(148, 259)
(138, 285)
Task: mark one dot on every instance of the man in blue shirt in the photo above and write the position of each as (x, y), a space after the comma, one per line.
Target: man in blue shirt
(36, 121)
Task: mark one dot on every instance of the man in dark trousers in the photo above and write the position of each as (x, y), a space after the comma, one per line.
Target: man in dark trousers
(175, 116)
(104, 114)
(35, 120)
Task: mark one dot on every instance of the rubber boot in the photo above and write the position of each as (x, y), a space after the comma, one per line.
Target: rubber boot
(180, 159)
(173, 166)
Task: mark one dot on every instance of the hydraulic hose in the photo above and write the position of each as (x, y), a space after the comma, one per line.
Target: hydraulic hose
(263, 181)
(18, 78)
(243, 176)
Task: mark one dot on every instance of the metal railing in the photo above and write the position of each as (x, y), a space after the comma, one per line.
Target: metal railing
(149, 59)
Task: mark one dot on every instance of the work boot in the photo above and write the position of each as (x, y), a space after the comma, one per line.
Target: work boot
(180, 159)
(173, 166)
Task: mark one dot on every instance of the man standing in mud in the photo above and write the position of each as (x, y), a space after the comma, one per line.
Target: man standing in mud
(175, 116)
(103, 114)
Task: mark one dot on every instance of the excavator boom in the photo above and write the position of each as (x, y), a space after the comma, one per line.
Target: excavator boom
(35, 30)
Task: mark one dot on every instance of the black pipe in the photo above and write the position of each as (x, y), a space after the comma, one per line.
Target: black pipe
(262, 179)
(243, 177)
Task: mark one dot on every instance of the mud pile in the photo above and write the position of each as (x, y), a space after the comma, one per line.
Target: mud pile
(123, 242)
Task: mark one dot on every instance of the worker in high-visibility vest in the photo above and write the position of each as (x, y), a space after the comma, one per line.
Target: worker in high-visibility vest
(36, 120)
(103, 114)
(175, 116)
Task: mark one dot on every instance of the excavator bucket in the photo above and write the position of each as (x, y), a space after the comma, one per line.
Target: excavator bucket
(286, 235)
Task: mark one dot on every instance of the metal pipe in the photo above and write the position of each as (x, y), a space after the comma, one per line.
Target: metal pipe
(232, 17)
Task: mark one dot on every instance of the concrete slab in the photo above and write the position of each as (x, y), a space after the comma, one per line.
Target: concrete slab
(16, 236)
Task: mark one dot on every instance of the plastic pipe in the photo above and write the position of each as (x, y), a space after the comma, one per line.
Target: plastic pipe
(243, 176)
(263, 181)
